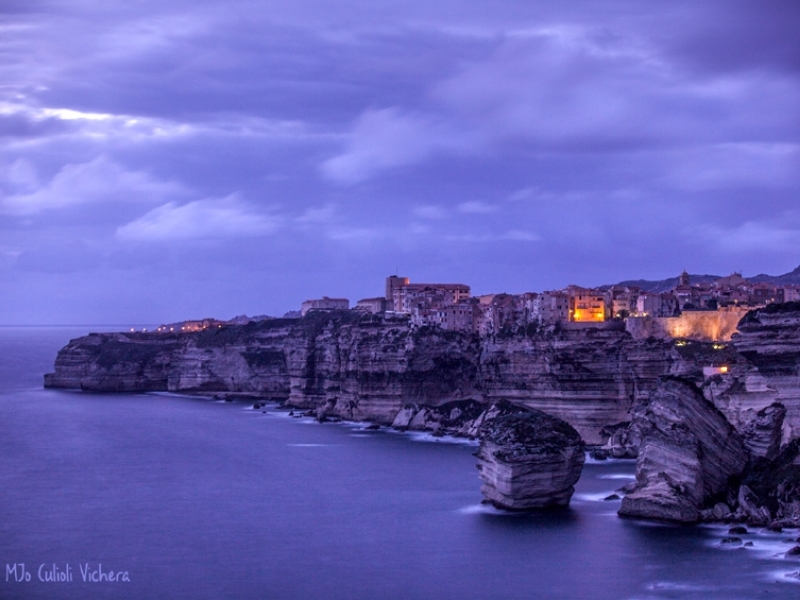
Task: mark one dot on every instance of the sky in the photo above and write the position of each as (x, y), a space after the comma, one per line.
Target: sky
(181, 159)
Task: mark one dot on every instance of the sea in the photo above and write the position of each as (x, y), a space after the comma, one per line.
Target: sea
(177, 497)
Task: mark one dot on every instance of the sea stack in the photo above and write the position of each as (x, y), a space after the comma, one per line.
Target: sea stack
(688, 455)
(529, 460)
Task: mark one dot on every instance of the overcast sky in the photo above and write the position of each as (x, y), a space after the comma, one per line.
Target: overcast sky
(172, 159)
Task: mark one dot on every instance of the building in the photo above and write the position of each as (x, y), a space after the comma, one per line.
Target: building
(463, 316)
(622, 300)
(652, 304)
(191, 326)
(393, 284)
(551, 307)
(404, 296)
(791, 293)
(586, 305)
(765, 293)
(372, 305)
(325, 303)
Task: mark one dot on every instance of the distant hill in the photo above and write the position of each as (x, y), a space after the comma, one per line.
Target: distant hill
(664, 285)
(791, 278)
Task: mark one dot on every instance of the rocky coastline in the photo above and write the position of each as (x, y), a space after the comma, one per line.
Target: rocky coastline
(718, 447)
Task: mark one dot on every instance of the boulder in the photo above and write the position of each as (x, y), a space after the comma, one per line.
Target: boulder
(529, 460)
(738, 530)
(689, 451)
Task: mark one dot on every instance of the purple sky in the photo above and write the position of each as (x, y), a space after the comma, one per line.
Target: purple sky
(175, 159)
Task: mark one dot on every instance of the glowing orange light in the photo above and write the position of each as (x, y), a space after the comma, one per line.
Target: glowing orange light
(723, 369)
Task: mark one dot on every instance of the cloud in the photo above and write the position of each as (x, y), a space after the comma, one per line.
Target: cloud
(755, 236)
(60, 257)
(475, 207)
(514, 235)
(100, 180)
(518, 235)
(430, 212)
(211, 218)
(734, 165)
(317, 215)
(390, 138)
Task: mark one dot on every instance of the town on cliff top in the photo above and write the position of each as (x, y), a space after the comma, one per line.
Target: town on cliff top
(704, 311)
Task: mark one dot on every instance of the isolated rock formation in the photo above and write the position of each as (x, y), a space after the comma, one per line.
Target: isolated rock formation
(688, 454)
(529, 460)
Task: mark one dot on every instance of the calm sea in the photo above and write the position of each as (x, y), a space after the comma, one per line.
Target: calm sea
(192, 498)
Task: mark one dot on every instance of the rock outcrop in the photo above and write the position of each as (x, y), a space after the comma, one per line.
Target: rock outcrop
(529, 460)
(762, 430)
(688, 454)
(116, 362)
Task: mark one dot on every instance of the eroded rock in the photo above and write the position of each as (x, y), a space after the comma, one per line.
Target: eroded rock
(689, 452)
(762, 430)
(529, 460)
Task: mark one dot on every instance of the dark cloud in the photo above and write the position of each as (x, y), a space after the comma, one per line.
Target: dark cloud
(21, 126)
(163, 160)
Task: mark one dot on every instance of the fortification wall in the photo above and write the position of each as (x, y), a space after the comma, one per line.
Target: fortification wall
(704, 326)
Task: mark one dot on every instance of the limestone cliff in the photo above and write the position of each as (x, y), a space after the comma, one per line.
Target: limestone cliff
(116, 362)
(364, 367)
(600, 379)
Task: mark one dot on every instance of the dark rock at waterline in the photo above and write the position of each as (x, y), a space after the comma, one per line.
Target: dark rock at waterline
(529, 460)
(598, 454)
(721, 511)
(612, 497)
(373, 427)
(738, 530)
(731, 541)
(770, 490)
(794, 551)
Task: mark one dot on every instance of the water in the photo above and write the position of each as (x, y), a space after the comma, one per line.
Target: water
(201, 499)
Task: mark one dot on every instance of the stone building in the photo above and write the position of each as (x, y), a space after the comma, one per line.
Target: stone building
(551, 307)
(325, 303)
(404, 296)
(652, 304)
(586, 305)
(372, 305)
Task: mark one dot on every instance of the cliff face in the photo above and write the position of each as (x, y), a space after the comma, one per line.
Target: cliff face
(768, 343)
(587, 376)
(116, 362)
(367, 368)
